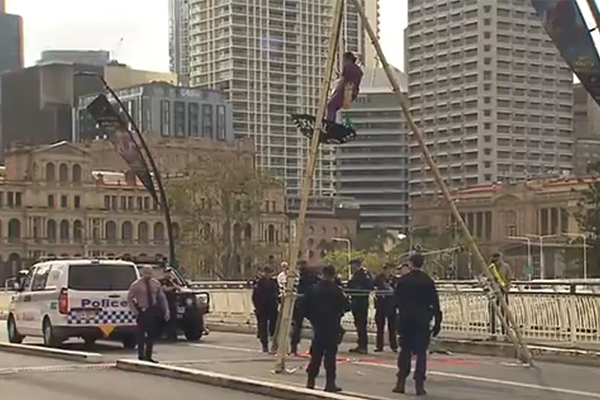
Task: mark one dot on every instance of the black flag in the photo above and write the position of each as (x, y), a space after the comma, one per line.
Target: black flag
(111, 123)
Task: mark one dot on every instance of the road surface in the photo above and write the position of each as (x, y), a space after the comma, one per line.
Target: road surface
(451, 377)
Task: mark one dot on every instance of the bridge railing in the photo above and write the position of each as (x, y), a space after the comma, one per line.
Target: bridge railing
(558, 311)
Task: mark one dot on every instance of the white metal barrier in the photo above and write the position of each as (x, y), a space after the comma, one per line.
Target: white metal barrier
(554, 317)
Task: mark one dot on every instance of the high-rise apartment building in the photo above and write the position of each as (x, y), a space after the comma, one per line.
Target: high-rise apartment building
(269, 60)
(11, 40)
(179, 56)
(373, 169)
(489, 90)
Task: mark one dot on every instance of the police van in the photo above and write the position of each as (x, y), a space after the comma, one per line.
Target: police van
(62, 299)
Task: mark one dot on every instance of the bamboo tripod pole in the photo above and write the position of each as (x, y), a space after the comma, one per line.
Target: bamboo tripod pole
(288, 297)
(523, 352)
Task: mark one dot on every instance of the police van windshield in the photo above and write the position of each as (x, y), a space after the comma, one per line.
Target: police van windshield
(101, 277)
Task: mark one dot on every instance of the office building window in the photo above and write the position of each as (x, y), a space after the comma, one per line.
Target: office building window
(146, 111)
(165, 118)
(194, 119)
(179, 119)
(221, 118)
(207, 120)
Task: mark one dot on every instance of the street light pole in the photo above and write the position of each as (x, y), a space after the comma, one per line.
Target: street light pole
(529, 261)
(161, 189)
(585, 261)
(349, 243)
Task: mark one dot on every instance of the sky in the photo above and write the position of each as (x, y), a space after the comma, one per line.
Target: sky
(143, 26)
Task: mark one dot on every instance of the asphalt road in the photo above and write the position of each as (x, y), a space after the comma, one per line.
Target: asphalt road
(451, 377)
(32, 378)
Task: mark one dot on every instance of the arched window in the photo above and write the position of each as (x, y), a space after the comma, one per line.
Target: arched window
(248, 232)
(14, 230)
(78, 231)
(237, 234)
(64, 231)
(77, 174)
(271, 234)
(50, 172)
(111, 231)
(63, 173)
(175, 230)
(143, 232)
(51, 231)
(127, 232)
(159, 232)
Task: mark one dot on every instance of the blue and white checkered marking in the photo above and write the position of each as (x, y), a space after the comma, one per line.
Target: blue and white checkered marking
(121, 317)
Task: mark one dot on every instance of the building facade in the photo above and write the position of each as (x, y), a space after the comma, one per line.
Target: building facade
(11, 40)
(373, 169)
(98, 58)
(489, 90)
(179, 56)
(268, 59)
(501, 216)
(166, 110)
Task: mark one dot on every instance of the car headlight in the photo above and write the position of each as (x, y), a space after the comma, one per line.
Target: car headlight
(189, 302)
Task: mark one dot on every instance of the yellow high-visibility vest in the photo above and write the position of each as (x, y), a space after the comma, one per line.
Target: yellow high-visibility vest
(497, 275)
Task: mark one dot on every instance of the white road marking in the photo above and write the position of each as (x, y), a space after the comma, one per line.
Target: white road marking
(445, 375)
(497, 381)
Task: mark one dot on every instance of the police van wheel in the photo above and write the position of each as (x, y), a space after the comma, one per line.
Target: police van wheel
(50, 339)
(13, 333)
(193, 331)
(129, 342)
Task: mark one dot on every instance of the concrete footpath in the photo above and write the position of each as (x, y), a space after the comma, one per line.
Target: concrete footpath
(459, 377)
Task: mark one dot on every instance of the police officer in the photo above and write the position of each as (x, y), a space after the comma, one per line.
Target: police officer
(359, 288)
(325, 305)
(385, 308)
(417, 301)
(171, 288)
(306, 282)
(265, 298)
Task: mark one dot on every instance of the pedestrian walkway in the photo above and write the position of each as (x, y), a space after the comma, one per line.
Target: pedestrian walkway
(373, 376)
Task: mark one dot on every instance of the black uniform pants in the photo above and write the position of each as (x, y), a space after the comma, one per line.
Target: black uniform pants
(266, 321)
(360, 312)
(323, 350)
(493, 315)
(386, 313)
(297, 321)
(414, 340)
(171, 324)
(146, 334)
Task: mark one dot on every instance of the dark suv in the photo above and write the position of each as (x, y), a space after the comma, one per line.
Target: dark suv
(189, 305)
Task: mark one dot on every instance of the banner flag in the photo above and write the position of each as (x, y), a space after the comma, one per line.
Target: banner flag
(111, 123)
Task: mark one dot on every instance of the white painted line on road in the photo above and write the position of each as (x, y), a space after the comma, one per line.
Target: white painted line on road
(230, 348)
(55, 368)
(51, 353)
(277, 390)
(496, 381)
(445, 374)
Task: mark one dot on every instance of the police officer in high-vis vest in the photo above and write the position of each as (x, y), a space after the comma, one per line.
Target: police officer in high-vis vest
(503, 276)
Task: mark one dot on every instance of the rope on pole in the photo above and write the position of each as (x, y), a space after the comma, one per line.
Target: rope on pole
(288, 299)
(503, 311)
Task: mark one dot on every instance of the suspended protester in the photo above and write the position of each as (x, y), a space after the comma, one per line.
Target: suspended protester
(265, 298)
(385, 308)
(306, 282)
(418, 303)
(503, 275)
(325, 305)
(148, 302)
(359, 289)
(347, 88)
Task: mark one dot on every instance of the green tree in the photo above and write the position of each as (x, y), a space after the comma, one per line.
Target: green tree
(339, 259)
(218, 200)
(588, 216)
(375, 239)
